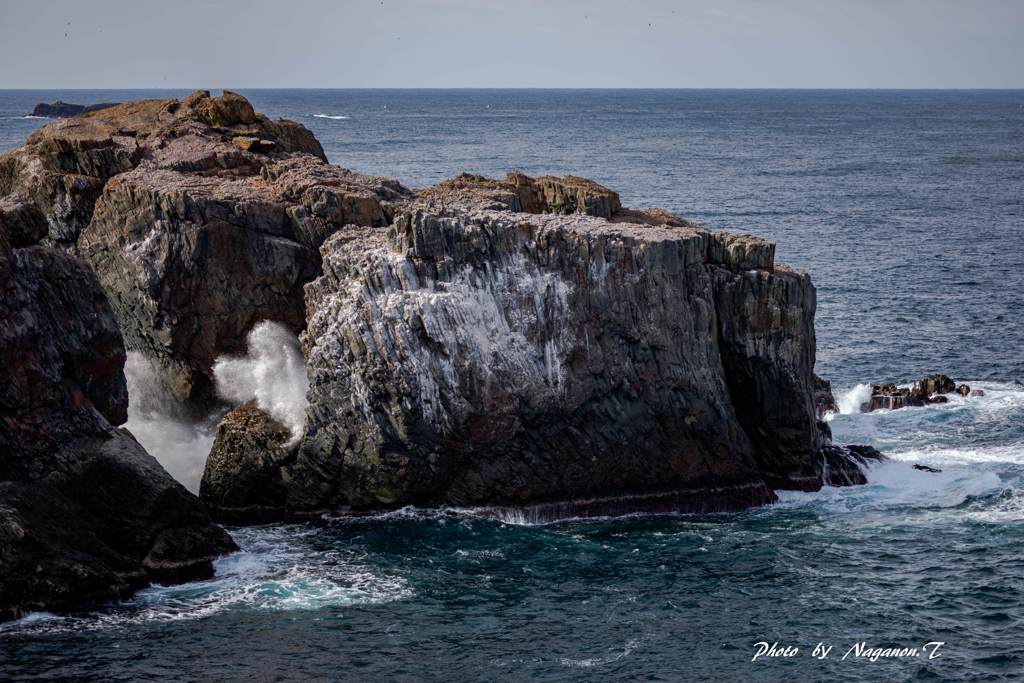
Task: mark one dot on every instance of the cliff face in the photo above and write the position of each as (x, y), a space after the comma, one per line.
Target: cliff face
(200, 217)
(85, 512)
(523, 341)
(480, 358)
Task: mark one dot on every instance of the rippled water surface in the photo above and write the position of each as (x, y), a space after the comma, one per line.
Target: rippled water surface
(908, 210)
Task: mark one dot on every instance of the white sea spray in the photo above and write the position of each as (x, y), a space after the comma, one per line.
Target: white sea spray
(273, 373)
(158, 422)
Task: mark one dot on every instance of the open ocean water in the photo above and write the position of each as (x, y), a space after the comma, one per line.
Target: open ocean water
(907, 207)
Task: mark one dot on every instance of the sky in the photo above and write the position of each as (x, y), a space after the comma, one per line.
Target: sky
(512, 43)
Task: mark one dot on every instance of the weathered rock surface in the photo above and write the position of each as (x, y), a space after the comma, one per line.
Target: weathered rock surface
(526, 342)
(85, 513)
(824, 399)
(200, 216)
(245, 472)
(565, 363)
(64, 166)
(931, 389)
(60, 109)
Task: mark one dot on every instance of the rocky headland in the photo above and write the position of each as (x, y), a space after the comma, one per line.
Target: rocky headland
(520, 342)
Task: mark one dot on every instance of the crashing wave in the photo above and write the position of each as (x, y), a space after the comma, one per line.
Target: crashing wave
(273, 374)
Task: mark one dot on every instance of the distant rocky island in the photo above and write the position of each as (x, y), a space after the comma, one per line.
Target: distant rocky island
(522, 343)
(59, 110)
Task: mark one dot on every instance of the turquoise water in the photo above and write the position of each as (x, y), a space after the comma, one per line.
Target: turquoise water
(906, 207)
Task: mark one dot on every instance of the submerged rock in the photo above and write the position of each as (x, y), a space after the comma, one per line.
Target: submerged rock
(85, 513)
(846, 465)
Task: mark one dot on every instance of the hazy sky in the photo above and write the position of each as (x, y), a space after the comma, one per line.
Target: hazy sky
(511, 43)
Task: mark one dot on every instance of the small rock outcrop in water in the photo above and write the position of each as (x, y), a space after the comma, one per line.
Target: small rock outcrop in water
(64, 109)
(931, 389)
(85, 513)
(521, 342)
(244, 473)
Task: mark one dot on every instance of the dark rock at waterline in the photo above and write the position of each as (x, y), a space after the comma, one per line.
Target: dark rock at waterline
(244, 472)
(824, 399)
(933, 384)
(845, 465)
(85, 513)
(60, 109)
(931, 389)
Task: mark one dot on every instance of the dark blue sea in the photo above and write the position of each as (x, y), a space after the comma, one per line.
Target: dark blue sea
(907, 207)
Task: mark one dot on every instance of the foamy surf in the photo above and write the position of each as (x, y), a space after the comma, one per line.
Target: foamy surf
(896, 485)
(278, 569)
(850, 401)
(333, 117)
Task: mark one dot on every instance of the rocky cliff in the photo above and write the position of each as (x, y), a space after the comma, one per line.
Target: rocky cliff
(522, 341)
(565, 362)
(85, 513)
(200, 217)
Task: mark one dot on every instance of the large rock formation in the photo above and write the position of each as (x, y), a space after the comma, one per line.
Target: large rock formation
(525, 341)
(488, 357)
(494, 348)
(85, 513)
(200, 217)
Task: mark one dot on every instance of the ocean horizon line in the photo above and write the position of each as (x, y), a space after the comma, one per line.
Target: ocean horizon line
(520, 88)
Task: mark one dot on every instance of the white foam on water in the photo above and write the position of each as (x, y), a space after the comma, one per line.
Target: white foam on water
(155, 420)
(275, 571)
(273, 374)
(896, 484)
(335, 117)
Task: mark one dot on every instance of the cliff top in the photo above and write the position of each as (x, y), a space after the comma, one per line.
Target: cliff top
(219, 149)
